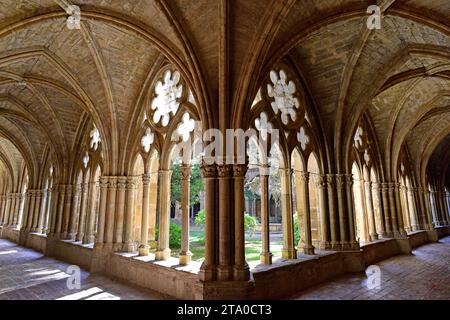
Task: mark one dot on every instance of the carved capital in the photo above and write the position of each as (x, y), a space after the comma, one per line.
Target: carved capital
(146, 179)
(331, 182)
(131, 183)
(304, 176)
(122, 182)
(185, 172)
(112, 183)
(321, 181)
(224, 170)
(240, 170)
(340, 180)
(209, 171)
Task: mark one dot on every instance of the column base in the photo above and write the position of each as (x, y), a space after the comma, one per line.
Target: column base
(88, 239)
(72, 236)
(185, 258)
(241, 273)
(289, 253)
(163, 254)
(266, 258)
(79, 237)
(224, 290)
(118, 247)
(346, 246)
(128, 247)
(373, 237)
(207, 273)
(144, 251)
(224, 273)
(404, 244)
(308, 250)
(335, 245)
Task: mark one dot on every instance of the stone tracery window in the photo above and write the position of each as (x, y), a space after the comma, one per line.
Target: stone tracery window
(86, 160)
(366, 157)
(147, 140)
(303, 138)
(358, 137)
(263, 125)
(282, 91)
(95, 138)
(166, 102)
(186, 126)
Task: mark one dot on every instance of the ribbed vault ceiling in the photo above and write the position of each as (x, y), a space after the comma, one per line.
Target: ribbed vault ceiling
(53, 78)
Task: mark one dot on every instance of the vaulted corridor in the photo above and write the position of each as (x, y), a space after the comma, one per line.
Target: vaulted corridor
(223, 149)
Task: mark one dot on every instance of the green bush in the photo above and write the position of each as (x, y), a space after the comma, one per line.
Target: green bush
(296, 230)
(250, 223)
(175, 236)
(200, 218)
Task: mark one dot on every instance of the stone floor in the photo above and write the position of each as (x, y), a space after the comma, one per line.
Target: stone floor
(28, 275)
(424, 275)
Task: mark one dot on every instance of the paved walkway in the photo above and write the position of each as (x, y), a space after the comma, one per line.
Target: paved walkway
(28, 275)
(425, 275)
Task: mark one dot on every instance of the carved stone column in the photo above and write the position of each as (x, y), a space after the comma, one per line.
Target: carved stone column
(423, 213)
(83, 209)
(386, 210)
(15, 211)
(131, 189)
(75, 212)
(100, 239)
(2, 209)
(342, 208)
(445, 217)
(30, 213)
(412, 210)
(120, 213)
(110, 211)
(207, 270)
(144, 248)
(393, 210)
(48, 210)
(266, 255)
(288, 251)
(370, 211)
(354, 245)
(163, 251)
(6, 212)
(305, 244)
(321, 185)
(185, 254)
(241, 270)
(334, 224)
(53, 211)
(89, 237)
(401, 222)
(67, 211)
(42, 211)
(60, 212)
(224, 269)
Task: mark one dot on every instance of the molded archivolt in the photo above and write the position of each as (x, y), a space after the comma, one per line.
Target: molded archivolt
(346, 129)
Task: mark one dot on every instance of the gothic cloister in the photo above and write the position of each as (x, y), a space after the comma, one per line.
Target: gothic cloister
(327, 122)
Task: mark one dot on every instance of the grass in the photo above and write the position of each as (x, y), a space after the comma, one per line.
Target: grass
(252, 247)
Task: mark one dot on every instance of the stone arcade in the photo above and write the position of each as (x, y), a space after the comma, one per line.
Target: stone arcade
(92, 111)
